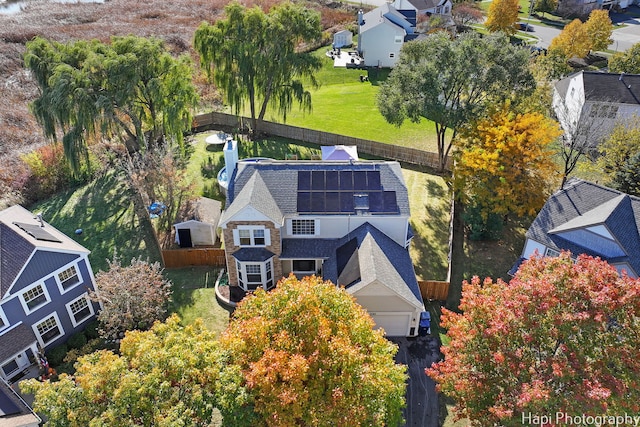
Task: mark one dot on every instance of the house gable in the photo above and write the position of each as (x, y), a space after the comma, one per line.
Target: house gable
(251, 201)
(41, 265)
(15, 251)
(586, 218)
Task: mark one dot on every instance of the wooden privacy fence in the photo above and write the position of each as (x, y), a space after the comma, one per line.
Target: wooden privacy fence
(433, 289)
(176, 258)
(374, 148)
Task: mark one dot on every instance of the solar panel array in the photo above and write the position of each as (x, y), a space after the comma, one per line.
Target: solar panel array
(344, 192)
(37, 232)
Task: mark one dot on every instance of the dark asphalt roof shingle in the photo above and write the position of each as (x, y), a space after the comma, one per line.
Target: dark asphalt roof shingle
(16, 340)
(15, 251)
(584, 204)
(271, 186)
(605, 87)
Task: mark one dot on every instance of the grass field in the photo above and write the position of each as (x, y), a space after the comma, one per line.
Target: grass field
(345, 105)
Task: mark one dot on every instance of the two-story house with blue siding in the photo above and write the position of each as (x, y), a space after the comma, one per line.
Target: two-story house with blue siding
(45, 279)
(346, 221)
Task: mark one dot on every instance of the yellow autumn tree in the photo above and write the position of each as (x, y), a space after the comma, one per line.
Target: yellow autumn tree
(505, 162)
(599, 28)
(573, 41)
(502, 16)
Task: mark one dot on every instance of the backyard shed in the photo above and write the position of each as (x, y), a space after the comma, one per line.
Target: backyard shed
(200, 223)
(342, 38)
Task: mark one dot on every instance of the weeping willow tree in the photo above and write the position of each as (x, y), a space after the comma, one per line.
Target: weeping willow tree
(131, 89)
(255, 58)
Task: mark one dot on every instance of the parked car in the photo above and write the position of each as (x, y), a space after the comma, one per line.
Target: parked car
(523, 26)
(425, 324)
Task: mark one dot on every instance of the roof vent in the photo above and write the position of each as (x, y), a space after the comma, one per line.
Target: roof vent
(621, 76)
(39, 218)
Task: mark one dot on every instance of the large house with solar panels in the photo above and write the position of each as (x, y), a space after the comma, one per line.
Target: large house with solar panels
(346, 221)
(45, 279)
(587, 218)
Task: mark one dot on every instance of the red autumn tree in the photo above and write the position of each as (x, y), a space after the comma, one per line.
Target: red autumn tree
(559, 337)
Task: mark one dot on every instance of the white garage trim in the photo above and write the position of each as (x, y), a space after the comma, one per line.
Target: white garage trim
(395, 324)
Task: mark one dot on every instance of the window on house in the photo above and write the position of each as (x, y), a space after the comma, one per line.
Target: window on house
(392, 55)
(248, 236)
(3, 320)
(34, 297)
(9, 368)
(80, 310)
(303, 227)
(258, 237)
(48, 330)
(304, 265)
(69, 278)
(398, 39)
(551, 252)
(251, 276)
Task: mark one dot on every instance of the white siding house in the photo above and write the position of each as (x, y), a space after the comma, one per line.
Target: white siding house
(383, 31)
(596, 101)
(347, 221)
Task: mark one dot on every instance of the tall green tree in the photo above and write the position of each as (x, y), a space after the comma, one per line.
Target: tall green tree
(560, 337)
(627, 61)
(257, 58)
(452, 82)
(131, 88)
(163, 377)
(306, 354)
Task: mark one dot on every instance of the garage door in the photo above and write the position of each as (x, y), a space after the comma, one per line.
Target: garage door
(394, 324)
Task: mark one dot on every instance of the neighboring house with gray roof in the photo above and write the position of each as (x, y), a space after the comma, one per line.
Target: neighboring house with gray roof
(587, 218)
(425, 7)
(347, 221)
(382, 33)
(45, 278)
(593, 102)
(14, 411)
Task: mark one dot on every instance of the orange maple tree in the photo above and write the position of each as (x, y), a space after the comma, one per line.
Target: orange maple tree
(306, 354)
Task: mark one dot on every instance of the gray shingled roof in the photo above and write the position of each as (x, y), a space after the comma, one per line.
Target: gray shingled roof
(17, 246)
(16, 340)
(250, 189)
(385, 14)
(606, 87)
(583, 204)
(14, 254)
(424, 4)
(380, 257)
(271, 186)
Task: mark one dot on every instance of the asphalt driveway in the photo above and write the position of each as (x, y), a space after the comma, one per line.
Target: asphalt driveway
(422, 400)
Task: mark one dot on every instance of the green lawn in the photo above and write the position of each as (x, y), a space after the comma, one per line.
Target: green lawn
(344, 105)
(104, 210)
